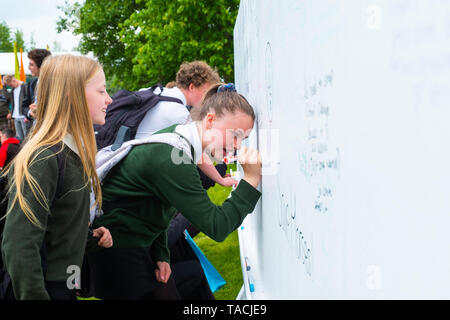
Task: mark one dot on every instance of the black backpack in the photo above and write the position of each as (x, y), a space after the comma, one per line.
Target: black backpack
(124, 115)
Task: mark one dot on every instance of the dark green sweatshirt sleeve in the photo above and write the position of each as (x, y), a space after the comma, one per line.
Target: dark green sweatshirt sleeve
(180, 186)
(160, 248)
(22, 240)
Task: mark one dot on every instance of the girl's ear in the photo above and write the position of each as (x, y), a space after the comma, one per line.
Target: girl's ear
(210, 118)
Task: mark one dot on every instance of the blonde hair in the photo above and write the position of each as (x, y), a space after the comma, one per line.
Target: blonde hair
(62, 110)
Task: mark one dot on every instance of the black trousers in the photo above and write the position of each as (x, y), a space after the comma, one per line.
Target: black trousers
(128, 274)
(190, 280)
(59, 291)
(56, 291)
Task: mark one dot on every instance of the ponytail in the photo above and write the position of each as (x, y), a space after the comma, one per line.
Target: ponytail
(222, 98)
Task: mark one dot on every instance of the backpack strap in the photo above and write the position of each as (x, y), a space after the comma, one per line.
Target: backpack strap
(122, 135)
(161, 88)
(107, 158)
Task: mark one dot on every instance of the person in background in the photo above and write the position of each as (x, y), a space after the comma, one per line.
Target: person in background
(10, 146)
(36, 58)
(46, 228)
(8, 150)
(19, 92)
(5, 101)
(193, 80)
(170, 84)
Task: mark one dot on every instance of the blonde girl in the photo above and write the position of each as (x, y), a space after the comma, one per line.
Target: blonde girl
(72, 97)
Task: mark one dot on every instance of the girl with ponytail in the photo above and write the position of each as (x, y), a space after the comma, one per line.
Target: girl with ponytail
(144, 191)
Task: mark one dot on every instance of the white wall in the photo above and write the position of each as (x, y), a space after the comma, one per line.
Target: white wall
(353, 104)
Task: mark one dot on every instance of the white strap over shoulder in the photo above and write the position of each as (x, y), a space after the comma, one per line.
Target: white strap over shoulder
(106, 158)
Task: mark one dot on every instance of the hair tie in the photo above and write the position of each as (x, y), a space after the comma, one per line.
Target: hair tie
(227, 87)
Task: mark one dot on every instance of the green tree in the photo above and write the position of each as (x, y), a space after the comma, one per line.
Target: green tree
(142, 42)
(98, 22)
(20, 42)
(6, 42)
(166, 33)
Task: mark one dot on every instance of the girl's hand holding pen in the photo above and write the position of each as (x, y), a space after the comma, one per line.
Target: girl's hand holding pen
(250, 160)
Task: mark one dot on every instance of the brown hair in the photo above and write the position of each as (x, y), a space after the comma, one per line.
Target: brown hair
(7, 131)
(8, 79)
(196, 72)
(38, 56)
(170, 84)
(221, 102)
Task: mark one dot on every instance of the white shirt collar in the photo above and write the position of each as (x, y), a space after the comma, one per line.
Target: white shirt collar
(190, 132)
(70, 142)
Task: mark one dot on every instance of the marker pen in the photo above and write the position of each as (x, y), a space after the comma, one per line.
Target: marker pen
(230, 159)
(234, 174)
(251, 281)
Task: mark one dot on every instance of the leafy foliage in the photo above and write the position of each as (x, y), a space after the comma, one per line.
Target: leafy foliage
(20, 42)
(98, 22)
(7, 37)
(142, 42)
(6, 42)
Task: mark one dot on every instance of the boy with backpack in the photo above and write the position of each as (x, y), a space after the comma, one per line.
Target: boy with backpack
(152, 109)
(193, 79)
(137, 115)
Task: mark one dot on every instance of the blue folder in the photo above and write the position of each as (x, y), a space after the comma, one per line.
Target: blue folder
(214, 278)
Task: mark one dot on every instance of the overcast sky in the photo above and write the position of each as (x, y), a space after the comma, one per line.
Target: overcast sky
(38, 17)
